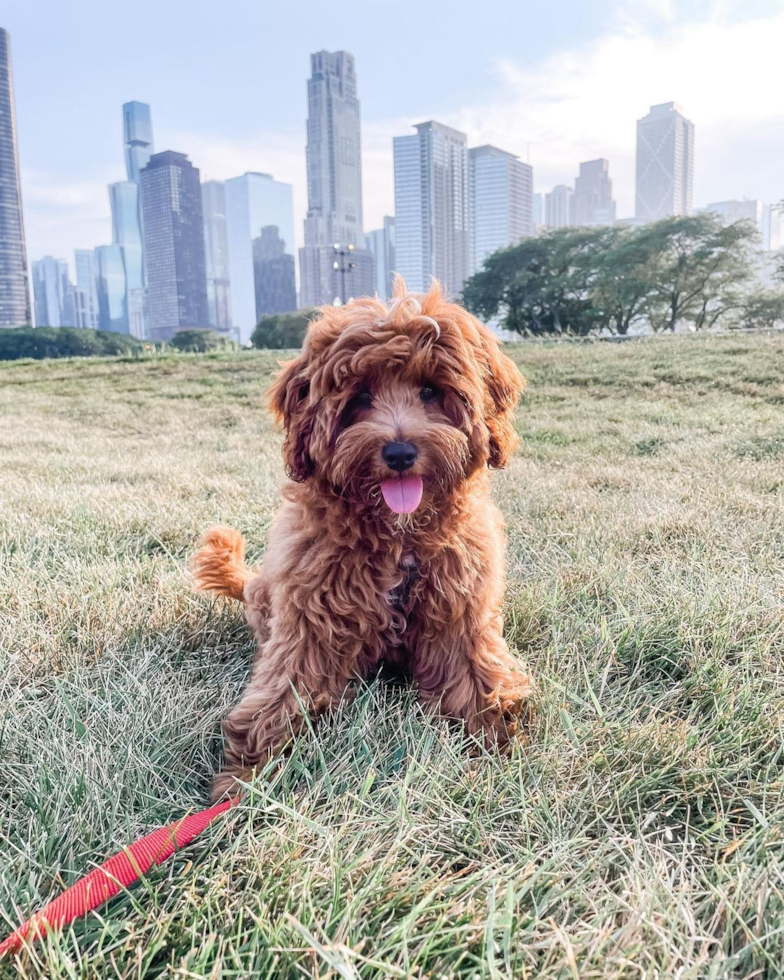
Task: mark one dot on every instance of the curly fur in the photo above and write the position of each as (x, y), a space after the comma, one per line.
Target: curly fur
(346, 583)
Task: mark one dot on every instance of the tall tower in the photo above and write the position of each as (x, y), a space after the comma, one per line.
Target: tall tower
(137, 135)
(334, 160)
(216, 251)
(253, 201)
(174, 244)
(14, 286)
(665, 163)
(431, 207)
(558, 207)
(500, 201)
(592, 202)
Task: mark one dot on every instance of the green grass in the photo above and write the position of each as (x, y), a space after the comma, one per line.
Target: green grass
(639, 832)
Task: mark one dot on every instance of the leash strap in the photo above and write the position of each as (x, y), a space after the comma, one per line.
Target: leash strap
(115, 874)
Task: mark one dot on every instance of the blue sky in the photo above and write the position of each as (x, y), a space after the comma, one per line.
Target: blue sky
(562, 81)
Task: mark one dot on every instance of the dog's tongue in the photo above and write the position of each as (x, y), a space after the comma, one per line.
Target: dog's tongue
(402, 493)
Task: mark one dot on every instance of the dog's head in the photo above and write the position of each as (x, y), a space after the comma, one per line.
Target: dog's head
(400, 402)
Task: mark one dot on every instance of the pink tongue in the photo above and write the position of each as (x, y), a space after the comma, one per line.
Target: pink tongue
(402, 493)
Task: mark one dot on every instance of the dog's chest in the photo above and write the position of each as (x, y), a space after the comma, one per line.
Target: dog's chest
(401, 597)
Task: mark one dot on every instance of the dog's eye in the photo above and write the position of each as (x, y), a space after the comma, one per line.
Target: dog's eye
(362, 399)
(427, 393)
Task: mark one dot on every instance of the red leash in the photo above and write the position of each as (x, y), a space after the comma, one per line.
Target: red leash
(120, 871)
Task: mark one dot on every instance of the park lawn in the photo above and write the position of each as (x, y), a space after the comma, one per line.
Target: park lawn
(636, 832)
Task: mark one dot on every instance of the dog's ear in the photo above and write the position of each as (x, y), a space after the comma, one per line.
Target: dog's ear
(504, 384)
(289, 398)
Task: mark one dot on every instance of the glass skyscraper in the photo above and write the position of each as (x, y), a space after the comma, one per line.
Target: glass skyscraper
(334, 158)
(137, 134)
(253, 201)
(431, 207)
(126, 232)
(86, 296)
(592, 201)
(53, 293)
(381, 244)
(173, 228)
(14, 286)
(216, 249)
(500, 201)
(110, 289)
(665, 163)
(273, 268)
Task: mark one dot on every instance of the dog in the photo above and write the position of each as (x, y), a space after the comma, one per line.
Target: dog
(387, 548)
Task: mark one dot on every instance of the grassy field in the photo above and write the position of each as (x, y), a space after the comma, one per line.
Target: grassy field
(637, 833)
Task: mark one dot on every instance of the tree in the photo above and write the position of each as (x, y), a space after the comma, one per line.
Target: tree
(763, 310)
(48, 342)
(283, 331)
(199, 341)
(622, 286)
(541, 285)
(698, 270)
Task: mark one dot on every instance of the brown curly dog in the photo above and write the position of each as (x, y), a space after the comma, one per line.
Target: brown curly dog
(388, 547)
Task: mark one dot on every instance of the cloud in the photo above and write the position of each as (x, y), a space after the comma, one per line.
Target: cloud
(584, 103)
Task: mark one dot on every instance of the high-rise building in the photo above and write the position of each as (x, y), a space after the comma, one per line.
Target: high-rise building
(126, 232)
(14, 286)
(538, 211)
(592, 201)
(773, 228)
(274, 274)
(53, 293)
(86, 295)
(381, 245)
(253, 201)
(431, 207)
(500, 201)
(137, 134)
(558, 207)
(665, 163)
(110, 289)
(334, 159)
(172, 223)
(216, 251)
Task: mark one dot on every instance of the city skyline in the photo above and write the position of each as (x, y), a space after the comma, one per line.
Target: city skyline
(565, 105)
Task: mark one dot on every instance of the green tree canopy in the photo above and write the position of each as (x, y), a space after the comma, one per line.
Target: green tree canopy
(692, 270)
(43, 342)
(283, 331)
(199, 341)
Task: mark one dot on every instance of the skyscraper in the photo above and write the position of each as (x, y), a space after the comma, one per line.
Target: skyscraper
(137, 134)
(538, 211)
(592, 202)
(86, 296)
(274, 275)
(500, 201)
(216, 250)
(53, 293)
(253, 201)
(110, 289)
(126, 232)
(381, 245)
(558, 207)
(14, 286)
(173, 228)
(334, 159)
(431, 207)
(665, 163)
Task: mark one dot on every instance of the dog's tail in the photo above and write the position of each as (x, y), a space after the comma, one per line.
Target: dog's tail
(219, 564)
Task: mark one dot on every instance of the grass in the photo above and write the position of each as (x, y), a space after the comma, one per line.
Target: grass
(637, 833)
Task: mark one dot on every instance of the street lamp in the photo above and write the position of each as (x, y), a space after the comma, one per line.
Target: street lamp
(341, 265)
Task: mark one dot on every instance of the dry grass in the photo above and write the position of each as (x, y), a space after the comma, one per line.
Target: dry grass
(638, 833)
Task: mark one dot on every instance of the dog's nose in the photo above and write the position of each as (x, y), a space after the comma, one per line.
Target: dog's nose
(399, 455)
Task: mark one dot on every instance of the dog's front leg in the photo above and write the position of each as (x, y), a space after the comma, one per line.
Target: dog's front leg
(292, 674)
(468, 673)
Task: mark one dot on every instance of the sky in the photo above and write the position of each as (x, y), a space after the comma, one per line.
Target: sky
(556, 82)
